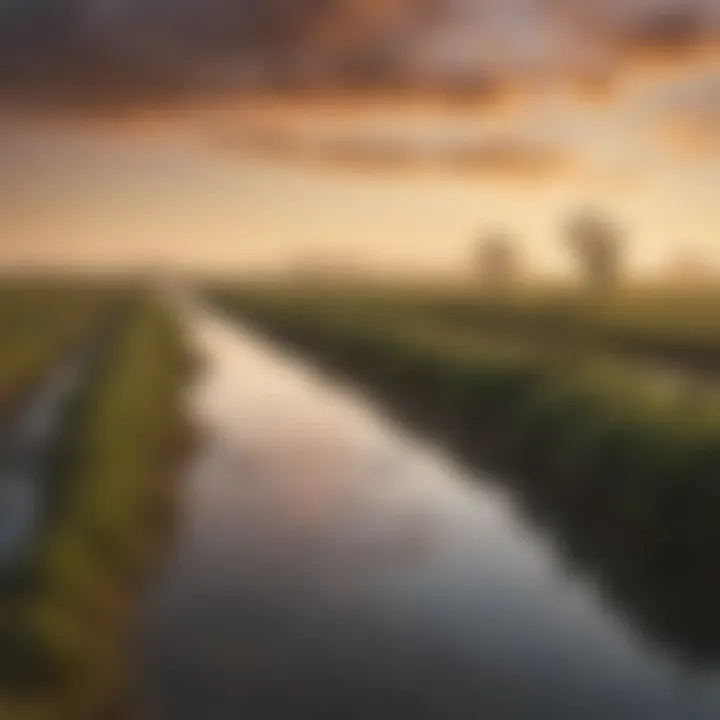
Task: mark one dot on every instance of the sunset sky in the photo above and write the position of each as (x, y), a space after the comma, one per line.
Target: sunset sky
(235, 135)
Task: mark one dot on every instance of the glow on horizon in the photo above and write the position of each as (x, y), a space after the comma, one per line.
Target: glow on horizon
(169, 191)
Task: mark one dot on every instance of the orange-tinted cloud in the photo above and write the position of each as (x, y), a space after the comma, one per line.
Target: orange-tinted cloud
(510, 158)
(692, 136)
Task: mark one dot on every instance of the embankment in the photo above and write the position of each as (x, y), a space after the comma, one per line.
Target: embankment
(64, 623)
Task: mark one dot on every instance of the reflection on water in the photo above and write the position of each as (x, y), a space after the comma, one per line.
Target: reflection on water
(331, 566)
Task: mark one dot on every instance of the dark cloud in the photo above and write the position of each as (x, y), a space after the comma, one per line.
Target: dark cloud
(133, 52)
(671, 32)
(674, 30)
(90, 51)
(68, 51)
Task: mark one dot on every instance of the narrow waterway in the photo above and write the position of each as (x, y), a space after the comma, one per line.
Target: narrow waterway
(330, 565)
(27, 440)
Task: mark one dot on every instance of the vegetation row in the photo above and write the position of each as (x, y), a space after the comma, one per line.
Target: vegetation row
(65, 618)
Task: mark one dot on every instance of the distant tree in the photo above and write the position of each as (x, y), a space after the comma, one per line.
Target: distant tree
(597, 245)
(496, 259)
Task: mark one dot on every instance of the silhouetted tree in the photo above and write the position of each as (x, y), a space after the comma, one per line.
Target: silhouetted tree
(496, 260)
(596, 243)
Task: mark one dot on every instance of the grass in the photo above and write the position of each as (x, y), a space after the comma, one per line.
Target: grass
(621, 460)
(677, 328)
(38, 322)
(64, 626)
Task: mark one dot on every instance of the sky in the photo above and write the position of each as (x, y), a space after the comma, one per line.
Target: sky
(243, 135)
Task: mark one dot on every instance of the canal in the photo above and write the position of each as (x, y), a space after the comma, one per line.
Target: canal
(329, 564)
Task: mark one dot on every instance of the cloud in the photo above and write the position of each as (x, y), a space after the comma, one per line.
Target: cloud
(693, 131)
(118, 53)
(692, 137)
(671, 30)
(671, 43)
(500, 157)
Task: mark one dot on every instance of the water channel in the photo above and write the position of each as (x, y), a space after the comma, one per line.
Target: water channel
(331, 564)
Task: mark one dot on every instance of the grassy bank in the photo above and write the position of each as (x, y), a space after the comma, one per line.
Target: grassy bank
(38, 323)
(623, 464)
(63, 626)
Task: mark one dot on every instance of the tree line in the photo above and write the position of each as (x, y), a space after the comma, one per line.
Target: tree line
(594, 241)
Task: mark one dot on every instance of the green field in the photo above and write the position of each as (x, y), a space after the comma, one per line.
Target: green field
(621, 451)
(673, 328)
(64, 614)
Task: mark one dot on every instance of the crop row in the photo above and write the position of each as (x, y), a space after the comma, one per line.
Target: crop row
(678, 330)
